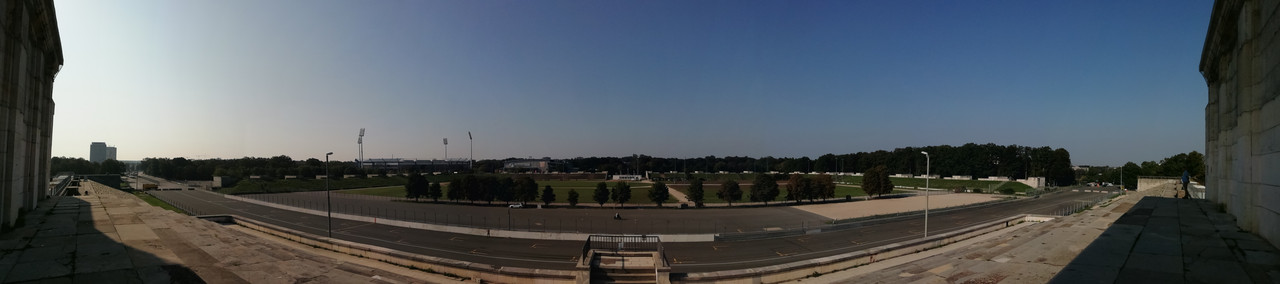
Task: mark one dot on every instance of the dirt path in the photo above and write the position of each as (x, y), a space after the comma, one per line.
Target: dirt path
(848, 210)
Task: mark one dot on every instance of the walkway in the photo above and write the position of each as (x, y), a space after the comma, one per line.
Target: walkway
(109, 235)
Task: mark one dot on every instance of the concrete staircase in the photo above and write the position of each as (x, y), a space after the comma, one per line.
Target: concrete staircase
(628, 268)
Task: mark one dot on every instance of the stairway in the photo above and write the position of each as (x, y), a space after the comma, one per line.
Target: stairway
(625, 267)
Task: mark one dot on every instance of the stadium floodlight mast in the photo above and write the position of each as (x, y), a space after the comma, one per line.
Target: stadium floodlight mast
(926, 193)
(472, 163)
(328, 202)
(446, 155)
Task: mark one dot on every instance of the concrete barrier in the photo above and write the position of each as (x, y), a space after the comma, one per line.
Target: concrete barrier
(823, 265)
(555, 236)
(1145, 183)
(472, 270)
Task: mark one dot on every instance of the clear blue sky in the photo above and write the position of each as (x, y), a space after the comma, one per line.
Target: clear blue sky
(1111, 81)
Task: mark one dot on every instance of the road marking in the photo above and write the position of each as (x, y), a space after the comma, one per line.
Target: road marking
(477, 251)
(456, 239)
(574, 259)
(804, 239)
(718, 247)
(854, 242)
(783, 254)
(535, 245)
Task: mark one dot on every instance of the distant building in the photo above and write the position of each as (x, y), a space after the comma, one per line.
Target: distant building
(30, 57)
(97, 152)
(111, 153)
(408, 165)
(544, 165)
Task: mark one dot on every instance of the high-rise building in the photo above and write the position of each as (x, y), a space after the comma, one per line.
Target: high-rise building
(97, 152)
(111, 153)
(30, 57)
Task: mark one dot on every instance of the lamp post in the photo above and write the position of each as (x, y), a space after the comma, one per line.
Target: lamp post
(926, 193)
(328, 202)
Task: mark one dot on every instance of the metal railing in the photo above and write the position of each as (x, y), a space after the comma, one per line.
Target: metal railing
(62, 181)
(620, 243)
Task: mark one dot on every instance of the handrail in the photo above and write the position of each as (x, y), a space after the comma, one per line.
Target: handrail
(64, 179)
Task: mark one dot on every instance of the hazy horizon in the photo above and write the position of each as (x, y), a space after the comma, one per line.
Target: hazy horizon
(1111, 82)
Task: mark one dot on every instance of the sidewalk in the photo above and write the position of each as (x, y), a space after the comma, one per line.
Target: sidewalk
(1024, 253)
(1170, 240)
(109, 236)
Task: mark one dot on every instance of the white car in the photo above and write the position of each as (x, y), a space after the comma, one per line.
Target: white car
(516, 206)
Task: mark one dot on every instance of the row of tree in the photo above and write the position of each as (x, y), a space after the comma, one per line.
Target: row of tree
(85, 167)
(1173, 166)
(970, 159)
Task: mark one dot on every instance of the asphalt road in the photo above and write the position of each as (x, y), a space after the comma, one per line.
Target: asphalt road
(589, 218)
(685, 257)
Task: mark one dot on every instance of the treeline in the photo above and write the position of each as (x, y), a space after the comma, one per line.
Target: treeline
(272, 168)
(1173, 166)
(85, 167)
(971, 159)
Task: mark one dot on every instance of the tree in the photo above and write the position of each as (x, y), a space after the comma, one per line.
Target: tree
(416, 187)
(548, 196)
(113, 167)
(659, 194)
(696, 193)
(601, 195)
(621, 192)
(506, 190)
(573, 197)
(457, 189)
(795, 188)
(433, 192)
(876, 182)
(526, 190)
(473, 188)
(764, 189)
(824, 186)
(729, 191)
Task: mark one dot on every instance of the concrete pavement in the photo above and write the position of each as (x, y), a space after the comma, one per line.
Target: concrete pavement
(110, 236)
(1193, 243)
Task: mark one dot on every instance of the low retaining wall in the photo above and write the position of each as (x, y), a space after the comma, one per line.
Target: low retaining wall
(823, 265)
(1145, 183)
(440, 265)
(555, 236)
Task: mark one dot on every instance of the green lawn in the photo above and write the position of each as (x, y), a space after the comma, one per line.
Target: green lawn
(157, 202)
(711, 189)
(639, 191)
(986, 186)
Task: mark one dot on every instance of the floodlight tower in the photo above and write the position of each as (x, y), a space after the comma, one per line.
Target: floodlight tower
(360, 143)
(446, 154)
(472, 164)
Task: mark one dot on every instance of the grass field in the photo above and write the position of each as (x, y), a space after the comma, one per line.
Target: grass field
(986, 186)
(157, 202)
(639, 191)
(711, 189)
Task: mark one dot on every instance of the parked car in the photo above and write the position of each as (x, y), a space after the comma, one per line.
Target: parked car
(516, 206)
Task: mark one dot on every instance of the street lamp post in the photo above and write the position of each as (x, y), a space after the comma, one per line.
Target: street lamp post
(328, 202)
(926, 193)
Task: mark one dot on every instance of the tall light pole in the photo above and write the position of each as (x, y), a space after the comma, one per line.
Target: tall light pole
(926, 193)
(446, 155)
(473, 151)
(328, 202)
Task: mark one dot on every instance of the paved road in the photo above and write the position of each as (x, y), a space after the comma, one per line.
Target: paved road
(686, 257)
(590, 219)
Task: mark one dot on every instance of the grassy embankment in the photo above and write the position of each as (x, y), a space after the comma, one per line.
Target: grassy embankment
(156, 202)
(639, 191)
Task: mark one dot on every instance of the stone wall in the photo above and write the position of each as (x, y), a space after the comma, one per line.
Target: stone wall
(1242, 141)
(30, 57)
